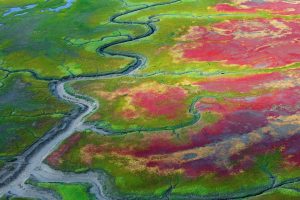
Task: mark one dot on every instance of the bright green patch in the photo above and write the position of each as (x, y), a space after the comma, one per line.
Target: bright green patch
(69, 191)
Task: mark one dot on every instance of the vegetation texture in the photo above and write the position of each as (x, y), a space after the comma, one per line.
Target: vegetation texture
(206, 105)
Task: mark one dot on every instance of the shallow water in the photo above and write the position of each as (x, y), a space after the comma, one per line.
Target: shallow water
(18, 9)
(68, 4)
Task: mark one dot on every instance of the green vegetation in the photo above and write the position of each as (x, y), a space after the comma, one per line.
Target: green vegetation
(69, 191)
(27, 111)
(56, 45)
(14, 198)
(279, 194)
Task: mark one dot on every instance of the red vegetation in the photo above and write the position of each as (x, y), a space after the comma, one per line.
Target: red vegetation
(229, 8)
(276, 7)
(129, 114)
(238, 84)
(54, 158)
(169, 103)
(159, 145)
(199, 167)
(240, 116)
(276, 103)
(288, 147)
(260, 43)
